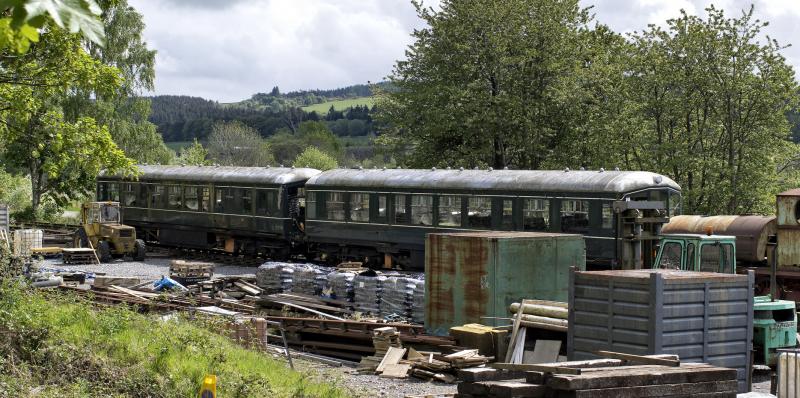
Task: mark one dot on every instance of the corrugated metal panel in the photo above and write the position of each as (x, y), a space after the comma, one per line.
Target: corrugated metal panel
(4, 218)
(494, 180)
(702, 317)
(474, 275)
(789, 373)
(223, 174)
(788, 210)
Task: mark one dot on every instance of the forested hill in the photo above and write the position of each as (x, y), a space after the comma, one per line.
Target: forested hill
(184, 118)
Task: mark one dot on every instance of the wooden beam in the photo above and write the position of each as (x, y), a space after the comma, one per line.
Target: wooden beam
(647, 360)
(528, 367)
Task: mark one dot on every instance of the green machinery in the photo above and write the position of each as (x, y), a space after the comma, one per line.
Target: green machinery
(774, 321)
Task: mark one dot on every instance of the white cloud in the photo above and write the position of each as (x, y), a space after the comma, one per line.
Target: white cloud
(227, 50)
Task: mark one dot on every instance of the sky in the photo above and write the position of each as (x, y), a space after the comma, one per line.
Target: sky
(228, 50)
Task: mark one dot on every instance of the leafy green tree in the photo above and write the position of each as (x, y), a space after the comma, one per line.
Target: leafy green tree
(124, 112)
(489, 83)
(710, 103)
(235, 144)
(61, 156)
(315, 159)
(286, 146)
(22, 20)
(194, 155)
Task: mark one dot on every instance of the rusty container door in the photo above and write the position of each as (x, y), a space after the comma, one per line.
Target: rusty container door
(788, 213)
(474, 277)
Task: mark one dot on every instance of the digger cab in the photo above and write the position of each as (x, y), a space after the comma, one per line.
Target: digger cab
(102, 229)
(101, 213)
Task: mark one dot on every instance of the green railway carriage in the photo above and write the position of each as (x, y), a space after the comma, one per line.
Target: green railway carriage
(384, 215)
(241, 209)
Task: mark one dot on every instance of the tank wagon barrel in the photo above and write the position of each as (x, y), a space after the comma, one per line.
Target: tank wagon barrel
(752, 232)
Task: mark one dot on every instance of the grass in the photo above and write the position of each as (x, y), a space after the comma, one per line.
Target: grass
(58, 345)
(339, 105)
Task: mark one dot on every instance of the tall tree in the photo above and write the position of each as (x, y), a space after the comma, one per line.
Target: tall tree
(489, 83)
(711, 103)
(125, 113)
(235, 144)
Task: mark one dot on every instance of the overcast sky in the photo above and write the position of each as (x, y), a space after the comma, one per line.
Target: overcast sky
(227, 50)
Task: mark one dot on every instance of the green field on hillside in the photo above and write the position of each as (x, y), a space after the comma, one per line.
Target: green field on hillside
(339, 105)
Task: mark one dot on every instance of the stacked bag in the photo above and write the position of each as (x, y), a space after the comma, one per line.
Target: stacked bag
(368, 293)
(340, 285)
(417, 299)
(309, 280)
(394, 298)
(275, 277)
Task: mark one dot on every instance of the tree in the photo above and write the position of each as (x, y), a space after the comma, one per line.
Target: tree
(489, 83)
(286, 146)
(22, 20)
(193, 155)
(315, 159)
(710, 102)
(124, 112)
(61, 156)
(235, 144)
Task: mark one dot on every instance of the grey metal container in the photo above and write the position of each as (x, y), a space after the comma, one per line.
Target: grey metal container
(699, 316)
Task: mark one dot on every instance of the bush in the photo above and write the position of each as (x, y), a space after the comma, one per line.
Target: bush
(316, 159)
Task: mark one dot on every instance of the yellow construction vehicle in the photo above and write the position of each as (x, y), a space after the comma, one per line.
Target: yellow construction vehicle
(102, 230)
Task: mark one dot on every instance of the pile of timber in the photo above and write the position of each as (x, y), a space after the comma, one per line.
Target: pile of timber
(391, 360)
(238, 287)
(314, 305)
(652, 376)
(541, 314)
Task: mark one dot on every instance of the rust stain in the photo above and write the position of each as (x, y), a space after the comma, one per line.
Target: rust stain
(456, 274)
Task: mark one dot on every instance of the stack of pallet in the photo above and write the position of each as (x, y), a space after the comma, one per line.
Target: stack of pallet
(340, 285)
(603, 378)
(275, 277)
(382, 339)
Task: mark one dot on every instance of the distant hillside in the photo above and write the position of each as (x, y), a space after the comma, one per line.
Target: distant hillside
(185, 118)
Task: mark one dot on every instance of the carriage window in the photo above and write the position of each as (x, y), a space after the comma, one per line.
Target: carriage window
(267, 202)
(359, 207)
(479, 212)
(144, 193)
(335, 206)
(246, 201)
(156, 196)
(421, 209)
(400, 216)
(205, 201)
(102, 191)
(536, 215)
(727, 259)
(129, 196)
(190, 199)
(608, 216)
(381, 208)
(113, 192)
(311, 205)
(574, 215)
(674, 204)
(220, 204)
(507, 222)
(174, 197)
(450, 211)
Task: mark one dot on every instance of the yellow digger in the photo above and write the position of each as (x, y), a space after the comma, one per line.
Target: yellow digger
(102, 230)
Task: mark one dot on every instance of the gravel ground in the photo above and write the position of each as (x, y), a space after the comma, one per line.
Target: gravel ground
(153, 267)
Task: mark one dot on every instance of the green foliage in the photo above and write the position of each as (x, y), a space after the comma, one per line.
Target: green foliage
(315, 159)
(61, 345)
(24, 18)
(193, 155)
(287, 146)
(16, 191)
(235, 144)
(530, 84)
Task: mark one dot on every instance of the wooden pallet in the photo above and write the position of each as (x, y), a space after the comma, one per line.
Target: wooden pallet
(78, 256)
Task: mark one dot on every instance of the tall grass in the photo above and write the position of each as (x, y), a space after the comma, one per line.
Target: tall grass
(58, 345)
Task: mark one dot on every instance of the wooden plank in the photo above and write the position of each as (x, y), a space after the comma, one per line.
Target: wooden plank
(515, 331)
(392, 357)
(631, 377)
(135, 293)
(306, 309)
(396, 371)
(660, 390)
(511, 389)
(545, 351)
(638, 358)
(536, 368)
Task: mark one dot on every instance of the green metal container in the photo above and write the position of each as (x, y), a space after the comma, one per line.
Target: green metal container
(473, 277)
(774, 326)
